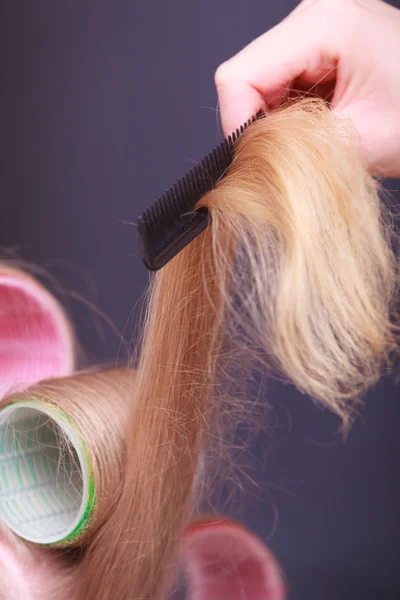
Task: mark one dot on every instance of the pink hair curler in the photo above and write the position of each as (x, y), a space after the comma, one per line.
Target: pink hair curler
(36, 338)
(223, 560)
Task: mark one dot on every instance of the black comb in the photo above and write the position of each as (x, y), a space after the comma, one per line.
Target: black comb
(172, 222)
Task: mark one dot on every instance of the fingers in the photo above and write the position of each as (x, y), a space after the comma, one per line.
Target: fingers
(238, 101)
(258, 77)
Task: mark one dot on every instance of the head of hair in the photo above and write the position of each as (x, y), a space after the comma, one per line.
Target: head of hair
(297, 270)
(295, 274)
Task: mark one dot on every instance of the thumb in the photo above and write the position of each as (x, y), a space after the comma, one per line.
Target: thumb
(260, 75)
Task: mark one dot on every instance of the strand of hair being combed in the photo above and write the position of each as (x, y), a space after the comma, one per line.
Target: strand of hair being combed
(315, 279)
(296, 266)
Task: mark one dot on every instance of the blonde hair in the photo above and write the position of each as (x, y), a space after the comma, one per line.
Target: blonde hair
(316, 276)
(297, 260)
(296, 270)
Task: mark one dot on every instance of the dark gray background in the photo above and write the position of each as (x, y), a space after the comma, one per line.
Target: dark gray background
(103, 105)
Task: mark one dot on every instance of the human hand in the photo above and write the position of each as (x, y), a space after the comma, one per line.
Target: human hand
(348, 47)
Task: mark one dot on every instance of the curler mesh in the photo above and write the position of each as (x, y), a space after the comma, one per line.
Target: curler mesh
(45, 494)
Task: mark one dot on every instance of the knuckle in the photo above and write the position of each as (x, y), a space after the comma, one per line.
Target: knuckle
(222, 74)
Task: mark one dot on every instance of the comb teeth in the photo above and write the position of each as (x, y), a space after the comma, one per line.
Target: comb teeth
(172, 222)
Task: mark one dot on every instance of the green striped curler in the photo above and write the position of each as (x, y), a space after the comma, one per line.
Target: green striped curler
(47, 492)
